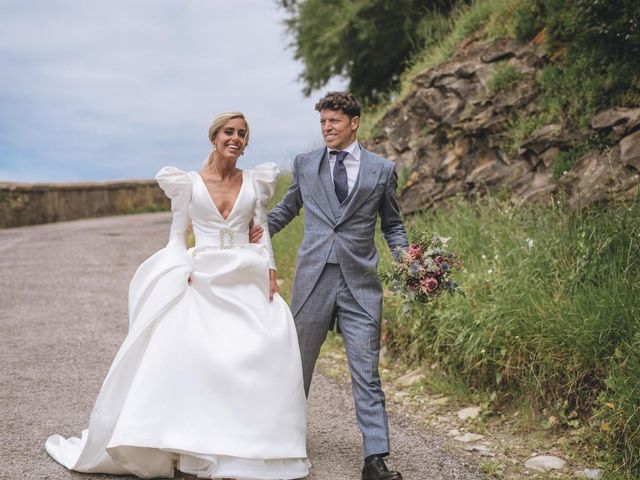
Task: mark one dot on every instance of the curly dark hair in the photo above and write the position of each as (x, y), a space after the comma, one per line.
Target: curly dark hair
(344, 101)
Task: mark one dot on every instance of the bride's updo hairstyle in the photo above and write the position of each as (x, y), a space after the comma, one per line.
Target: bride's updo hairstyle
(218, 123)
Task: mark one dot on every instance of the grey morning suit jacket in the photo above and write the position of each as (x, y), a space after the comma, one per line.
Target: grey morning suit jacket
(350, 230)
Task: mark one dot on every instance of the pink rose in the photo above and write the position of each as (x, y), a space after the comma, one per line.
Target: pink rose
(415, 251)
(438, 260)
(428, 284)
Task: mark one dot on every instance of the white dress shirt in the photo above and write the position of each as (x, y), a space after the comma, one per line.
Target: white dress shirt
(351, 163)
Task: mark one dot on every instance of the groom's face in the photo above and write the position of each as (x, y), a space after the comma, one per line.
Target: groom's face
(338, 130)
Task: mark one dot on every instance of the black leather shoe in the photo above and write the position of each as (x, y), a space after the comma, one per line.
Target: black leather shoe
(375, 469)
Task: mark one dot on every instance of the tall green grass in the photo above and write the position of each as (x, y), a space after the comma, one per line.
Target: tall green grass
(551, 293)
(551, 317)
(551, 314)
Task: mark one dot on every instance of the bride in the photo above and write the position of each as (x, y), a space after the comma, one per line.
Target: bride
(208, 379)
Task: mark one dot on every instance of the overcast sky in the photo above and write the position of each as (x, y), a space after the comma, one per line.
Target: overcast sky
(115, 89)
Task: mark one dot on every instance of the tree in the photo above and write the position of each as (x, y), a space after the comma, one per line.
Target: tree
(367, 41)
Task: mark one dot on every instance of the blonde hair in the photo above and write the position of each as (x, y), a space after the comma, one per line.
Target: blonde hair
(220, 122)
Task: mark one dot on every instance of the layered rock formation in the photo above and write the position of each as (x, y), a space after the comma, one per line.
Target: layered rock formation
(452, 134)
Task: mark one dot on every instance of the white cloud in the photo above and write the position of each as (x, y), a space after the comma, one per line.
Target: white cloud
(116, 89)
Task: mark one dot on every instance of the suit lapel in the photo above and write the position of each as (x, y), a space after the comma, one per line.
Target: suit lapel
(318, 188)
(370, 171)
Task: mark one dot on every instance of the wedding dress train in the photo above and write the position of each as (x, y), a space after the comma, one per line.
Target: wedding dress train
(208, 379)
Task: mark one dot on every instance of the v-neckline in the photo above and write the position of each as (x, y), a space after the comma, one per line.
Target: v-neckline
(213, 202)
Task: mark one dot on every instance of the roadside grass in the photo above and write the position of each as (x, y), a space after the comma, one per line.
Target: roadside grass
(550, 317)
(548, 325)
(286, 243)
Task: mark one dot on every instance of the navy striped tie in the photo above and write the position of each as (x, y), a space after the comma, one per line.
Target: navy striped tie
(340, 175)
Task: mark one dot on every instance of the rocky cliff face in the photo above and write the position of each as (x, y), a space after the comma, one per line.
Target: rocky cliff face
(452, 134)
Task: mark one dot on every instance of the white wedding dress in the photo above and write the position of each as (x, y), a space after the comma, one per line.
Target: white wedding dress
(208, 379)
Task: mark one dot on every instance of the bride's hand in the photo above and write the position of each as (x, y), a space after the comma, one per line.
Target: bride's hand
(273, 284)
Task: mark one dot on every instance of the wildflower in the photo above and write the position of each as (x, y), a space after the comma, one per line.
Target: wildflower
(490, 271)
(530, 243)
(484, 257)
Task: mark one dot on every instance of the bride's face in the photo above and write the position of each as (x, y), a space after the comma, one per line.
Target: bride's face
(232, 138)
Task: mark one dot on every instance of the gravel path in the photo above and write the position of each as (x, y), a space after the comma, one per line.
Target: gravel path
(63, 315)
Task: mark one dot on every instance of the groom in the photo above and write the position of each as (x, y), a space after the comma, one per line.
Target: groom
(344, 189)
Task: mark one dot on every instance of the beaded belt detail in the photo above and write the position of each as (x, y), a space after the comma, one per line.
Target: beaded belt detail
(224, 239)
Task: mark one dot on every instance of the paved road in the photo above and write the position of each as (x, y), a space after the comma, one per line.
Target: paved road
(63, 315)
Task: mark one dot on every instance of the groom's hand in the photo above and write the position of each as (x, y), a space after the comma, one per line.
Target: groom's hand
(255, 234)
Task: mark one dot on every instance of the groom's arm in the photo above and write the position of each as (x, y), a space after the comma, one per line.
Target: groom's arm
(289, 207)
(390, 219)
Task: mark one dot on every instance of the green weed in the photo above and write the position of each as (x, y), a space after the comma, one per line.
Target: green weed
(521, 127)
(505, 77)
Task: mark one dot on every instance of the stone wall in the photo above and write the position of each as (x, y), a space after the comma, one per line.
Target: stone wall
(33, 203)
(451, 135)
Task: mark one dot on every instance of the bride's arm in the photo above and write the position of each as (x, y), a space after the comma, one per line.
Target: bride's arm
(273, 284)
(287, 208)
(177, 186)
(265, 241)
(264, 178)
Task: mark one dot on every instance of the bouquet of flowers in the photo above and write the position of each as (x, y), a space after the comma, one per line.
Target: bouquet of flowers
(423, 272)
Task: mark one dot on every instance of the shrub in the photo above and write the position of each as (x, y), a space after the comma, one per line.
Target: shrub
(366, 41)
(563, 163)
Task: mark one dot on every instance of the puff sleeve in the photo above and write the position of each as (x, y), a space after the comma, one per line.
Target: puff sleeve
(177, 185)
(264, 178)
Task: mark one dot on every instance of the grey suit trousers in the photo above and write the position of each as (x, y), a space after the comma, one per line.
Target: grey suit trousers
(331, 298)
